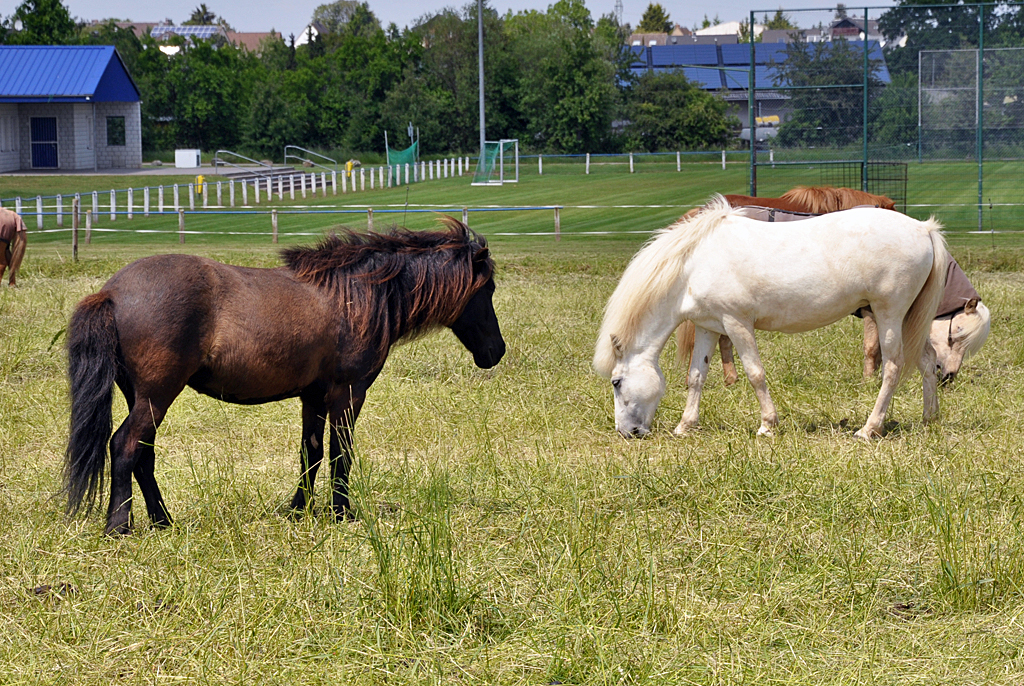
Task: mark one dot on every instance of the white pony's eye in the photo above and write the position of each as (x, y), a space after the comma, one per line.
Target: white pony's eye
(616, 382)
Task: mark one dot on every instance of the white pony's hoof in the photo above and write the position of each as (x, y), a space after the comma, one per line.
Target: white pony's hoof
(765, 431)
(682, 431)
(865, 435)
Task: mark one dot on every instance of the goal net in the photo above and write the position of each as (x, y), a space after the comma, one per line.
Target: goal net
(499, 163)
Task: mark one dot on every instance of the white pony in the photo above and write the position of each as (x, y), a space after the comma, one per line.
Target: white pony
(722, 271)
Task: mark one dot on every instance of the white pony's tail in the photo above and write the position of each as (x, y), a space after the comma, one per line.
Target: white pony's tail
(918, 320)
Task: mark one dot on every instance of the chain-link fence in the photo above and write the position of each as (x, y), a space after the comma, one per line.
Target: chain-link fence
(862, 94)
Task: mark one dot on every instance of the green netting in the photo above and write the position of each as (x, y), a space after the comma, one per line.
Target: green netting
(407, 156)
(487, 166)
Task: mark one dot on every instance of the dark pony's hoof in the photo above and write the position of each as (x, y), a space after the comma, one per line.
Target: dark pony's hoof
(119, 531)
(344, 514)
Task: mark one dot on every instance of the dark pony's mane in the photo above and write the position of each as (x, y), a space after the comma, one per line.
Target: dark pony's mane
(397, 284)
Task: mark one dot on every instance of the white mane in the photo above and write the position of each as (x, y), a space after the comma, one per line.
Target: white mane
(650, 275)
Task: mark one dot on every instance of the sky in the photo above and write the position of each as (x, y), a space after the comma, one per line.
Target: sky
(292, 16)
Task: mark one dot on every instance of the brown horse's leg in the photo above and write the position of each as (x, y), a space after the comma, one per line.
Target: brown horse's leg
(872, 349)
(128, 447)
(5, 259)
(314, 416)
(728, 362)
(344, 412)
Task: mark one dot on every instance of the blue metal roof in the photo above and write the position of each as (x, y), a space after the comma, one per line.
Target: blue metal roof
(64, 73)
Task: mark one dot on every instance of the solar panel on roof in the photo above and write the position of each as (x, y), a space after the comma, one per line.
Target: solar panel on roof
(676, 55)
(204, 32)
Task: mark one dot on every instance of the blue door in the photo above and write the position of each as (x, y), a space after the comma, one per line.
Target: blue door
(44, 142)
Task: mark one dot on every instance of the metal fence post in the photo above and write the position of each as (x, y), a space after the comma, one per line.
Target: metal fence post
(60, 211)
(181, 225)
(273, 223)
(74, 227)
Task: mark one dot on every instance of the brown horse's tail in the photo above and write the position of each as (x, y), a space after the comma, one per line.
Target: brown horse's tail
(93, 359)
(918, 320)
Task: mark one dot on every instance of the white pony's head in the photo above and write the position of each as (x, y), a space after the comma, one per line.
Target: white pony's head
(959, 337)
(627, 348)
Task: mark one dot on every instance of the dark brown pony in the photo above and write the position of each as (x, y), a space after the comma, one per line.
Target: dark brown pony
(319, 328)
(12, 243)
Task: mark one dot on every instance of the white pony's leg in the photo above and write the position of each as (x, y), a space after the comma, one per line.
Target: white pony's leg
(929, 383)
(890, 338)
(703, 345)
(742, 335)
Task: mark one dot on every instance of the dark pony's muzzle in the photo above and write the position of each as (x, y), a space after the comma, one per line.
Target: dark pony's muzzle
(491, 355)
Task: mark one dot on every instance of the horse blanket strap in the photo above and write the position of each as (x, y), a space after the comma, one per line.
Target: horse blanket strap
(958, 290)
(10, 225)
(772, 214)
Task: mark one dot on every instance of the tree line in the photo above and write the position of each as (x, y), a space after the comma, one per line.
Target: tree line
(557, 80)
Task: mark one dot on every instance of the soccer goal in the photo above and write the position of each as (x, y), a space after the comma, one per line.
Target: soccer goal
(499, 163)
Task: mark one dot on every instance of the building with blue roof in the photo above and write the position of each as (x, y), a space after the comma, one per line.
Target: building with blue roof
(69, 107)
(724, 66)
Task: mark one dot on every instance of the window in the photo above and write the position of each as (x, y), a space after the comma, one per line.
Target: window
(115, 131)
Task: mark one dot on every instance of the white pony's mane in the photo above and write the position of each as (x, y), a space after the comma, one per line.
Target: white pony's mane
(648, 278)
(975, 330)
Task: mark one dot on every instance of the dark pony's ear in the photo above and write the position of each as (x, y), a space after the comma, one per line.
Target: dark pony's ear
(971, 307)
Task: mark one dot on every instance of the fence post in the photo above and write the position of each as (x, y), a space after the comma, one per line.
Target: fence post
(723, 160)
(88, 227)
(588, 162)
(540, 165)
(113, 205)
(312, 183)
(17, 205)
(256, 188)
(390, 170)
(423, 171)
(630, 163)
(60, 211)
(160, 199)
(245, 192)
(558, 226)
(181, 225)
(406, 173)
(371, 178)
(344, 183)
(302, 183)
(380, 177)
(323, 184)
(191, 196)
(231, 192)
(145, 201)
(280, 188)
(220, 194)
(465, 216)
(131, 203)
(177, 205)
(362, 178)
(39, 211)
(76, 207)
(679, 161)
(95, 204)
(74, 227)
(369, 218)
(291, 187)
(334, 182)
(270, 191)
(273, 223)
(204, 188)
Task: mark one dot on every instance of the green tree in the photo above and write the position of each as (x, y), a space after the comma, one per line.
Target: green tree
(779, 22)
(43, 22)
(271, 121)
(831, 115)
(655, 20)
(335, 15)
(894, 117)
(201, 16)
(668, 112)
(128, 45)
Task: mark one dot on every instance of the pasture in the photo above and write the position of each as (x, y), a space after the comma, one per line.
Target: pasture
(507, 534)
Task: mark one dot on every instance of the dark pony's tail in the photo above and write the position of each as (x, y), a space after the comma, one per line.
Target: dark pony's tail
(93, 358)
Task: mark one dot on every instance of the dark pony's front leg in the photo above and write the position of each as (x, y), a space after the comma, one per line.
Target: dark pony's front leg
(314, 416)
(344, 412)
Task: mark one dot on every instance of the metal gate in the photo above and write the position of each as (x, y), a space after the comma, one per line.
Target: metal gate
(44, 142)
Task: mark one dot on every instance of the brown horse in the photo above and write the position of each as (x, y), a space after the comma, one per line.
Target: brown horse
(13, 236)
(319, 328)
(803, 199)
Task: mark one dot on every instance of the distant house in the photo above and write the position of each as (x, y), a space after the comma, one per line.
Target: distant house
(67, 107)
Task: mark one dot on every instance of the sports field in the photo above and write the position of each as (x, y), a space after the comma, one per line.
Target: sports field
(507, 534)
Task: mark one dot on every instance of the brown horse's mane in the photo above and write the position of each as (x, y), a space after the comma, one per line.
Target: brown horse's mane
(397, 284)
(825, 199)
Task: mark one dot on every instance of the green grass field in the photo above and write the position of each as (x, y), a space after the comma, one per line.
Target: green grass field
(507, 534)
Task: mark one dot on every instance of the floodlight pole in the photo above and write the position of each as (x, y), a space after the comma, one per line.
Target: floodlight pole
(480, 59)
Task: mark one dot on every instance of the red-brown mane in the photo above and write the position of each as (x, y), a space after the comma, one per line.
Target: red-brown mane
(398, 284)
(815, 199)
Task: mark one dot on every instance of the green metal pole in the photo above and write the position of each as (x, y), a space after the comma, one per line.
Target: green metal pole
(750, 107)
(981, 107)
(867, 67)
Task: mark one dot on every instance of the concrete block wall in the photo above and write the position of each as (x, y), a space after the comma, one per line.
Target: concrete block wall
(129, 155)
(9, 138)
(85, 145)
(65, 132)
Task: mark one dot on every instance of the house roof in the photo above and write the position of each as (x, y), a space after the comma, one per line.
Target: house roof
(64, 73)
(251, 41)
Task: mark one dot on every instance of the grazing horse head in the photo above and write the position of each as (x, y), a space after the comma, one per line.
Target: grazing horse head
(400, 285)
(623, 353)
(959, 336)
